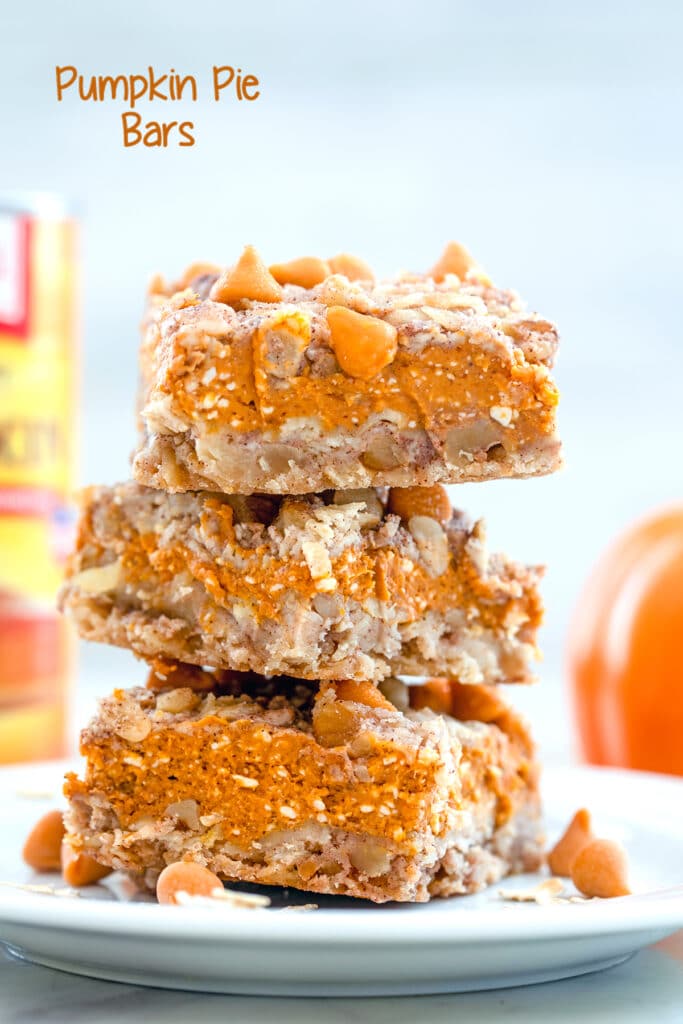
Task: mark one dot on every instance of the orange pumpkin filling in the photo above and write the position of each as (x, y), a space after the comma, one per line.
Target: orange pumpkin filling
(257, 778)
(262, 581)
(431, 392)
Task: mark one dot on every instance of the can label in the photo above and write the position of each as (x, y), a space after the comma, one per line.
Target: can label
(36, 400)
(14, 275)
(37, 420)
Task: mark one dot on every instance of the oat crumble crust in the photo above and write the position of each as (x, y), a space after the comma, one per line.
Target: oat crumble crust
(284, 783)
(329, 586)
(251, 396)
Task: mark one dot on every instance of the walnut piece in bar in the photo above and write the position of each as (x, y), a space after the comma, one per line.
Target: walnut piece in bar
(333, 586)
(332, 789)
(252, 383)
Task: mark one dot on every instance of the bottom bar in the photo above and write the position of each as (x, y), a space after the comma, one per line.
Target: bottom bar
(338, 789)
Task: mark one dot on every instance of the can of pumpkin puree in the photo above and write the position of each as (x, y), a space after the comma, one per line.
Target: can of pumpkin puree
(38, 404)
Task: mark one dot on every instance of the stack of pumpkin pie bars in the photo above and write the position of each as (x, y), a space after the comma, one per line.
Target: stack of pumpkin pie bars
(326, 636)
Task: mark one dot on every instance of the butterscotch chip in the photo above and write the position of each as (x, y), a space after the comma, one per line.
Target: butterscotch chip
(600, 869)
(42, 849)
(248, 279)
(197, 270)
(465, 701)
(196, 279)
(434, 694)
(407, 502)
(470, 702)
(80, 868)
(157, 285)
(362, 692)
(455, 259)
(363, 345)
(351, 267)
(579, 833)
(187, 877)
(167, 675)
(396, 806)
(305, 272)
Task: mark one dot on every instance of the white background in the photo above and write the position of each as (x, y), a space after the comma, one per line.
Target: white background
(546, 136)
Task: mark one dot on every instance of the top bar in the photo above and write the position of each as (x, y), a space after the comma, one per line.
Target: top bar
(310, 375)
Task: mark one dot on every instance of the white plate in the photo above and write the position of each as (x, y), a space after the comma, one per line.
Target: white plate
(351, 948)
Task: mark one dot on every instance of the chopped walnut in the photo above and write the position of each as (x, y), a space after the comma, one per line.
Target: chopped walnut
(432, 543)
(100, 578)
(131, 722)
(177, 701)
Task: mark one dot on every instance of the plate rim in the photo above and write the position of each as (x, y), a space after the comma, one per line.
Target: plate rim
(631, 914)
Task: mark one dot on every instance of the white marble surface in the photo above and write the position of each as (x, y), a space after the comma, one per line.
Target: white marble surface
(647, 988)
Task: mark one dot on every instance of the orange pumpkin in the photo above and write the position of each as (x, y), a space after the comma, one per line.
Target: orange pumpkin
(625, 651)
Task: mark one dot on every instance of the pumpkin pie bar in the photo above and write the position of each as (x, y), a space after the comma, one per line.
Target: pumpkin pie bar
(312, 375)
(344, 585)
(338, 789)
